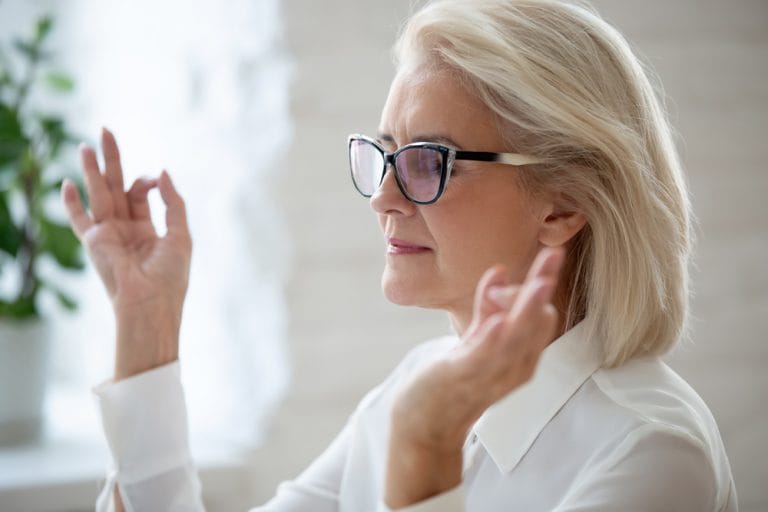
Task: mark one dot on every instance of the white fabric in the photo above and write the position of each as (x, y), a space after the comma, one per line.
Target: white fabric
(575, 438)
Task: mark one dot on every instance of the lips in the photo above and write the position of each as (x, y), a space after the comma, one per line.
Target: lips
(398, 246)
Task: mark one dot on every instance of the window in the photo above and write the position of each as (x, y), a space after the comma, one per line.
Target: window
(201, 90)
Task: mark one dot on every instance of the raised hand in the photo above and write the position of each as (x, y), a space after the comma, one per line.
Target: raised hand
(432, 412)
(146, 276)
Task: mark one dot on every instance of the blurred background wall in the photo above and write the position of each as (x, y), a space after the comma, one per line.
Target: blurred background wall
(712, 58)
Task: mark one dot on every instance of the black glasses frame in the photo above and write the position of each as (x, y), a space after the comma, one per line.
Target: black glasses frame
(448, 157)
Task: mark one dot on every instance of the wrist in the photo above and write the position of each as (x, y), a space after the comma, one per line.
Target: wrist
(417, 471)
(144, 344)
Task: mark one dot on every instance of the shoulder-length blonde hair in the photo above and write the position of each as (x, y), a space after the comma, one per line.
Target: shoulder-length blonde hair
(568, 89)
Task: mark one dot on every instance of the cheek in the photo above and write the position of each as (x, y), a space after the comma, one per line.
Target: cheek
(493, 231)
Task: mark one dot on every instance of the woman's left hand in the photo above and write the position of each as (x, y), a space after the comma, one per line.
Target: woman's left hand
(433, 412)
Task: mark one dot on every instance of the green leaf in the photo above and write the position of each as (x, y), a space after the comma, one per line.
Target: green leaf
(6, 78)
(23, 307)
(53, 186)
(28, 50)
(43, 27)
(53, 128)
(12, 139)
(65, 300)
(59, 81)
(62, 244)
(10, 236)
(84, 197)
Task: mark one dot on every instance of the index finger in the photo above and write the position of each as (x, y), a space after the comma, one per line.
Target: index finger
(99, 196)
(547, 264)
(537, 290)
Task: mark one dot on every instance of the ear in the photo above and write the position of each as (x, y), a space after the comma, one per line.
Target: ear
(559, 225)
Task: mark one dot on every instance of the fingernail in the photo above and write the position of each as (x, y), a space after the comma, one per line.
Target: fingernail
(494, 293)
(499, 293)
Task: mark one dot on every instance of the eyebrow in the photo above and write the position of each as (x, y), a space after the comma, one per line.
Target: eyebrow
(439, 139)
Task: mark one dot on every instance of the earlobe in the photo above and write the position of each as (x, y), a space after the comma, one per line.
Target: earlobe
(560, 227)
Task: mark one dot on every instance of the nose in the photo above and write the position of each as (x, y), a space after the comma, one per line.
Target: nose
(389, 199)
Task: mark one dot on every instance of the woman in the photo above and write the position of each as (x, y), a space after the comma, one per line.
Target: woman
(526, 182)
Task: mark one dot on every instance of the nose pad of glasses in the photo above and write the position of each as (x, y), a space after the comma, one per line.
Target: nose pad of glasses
(388, 174)
(385, 191)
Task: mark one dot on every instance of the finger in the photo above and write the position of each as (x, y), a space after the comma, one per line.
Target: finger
(547, 263)
(531, 322)
(539, 285)
(78, 217)
(498, 275)
(114, 173)
(98, 192)
(175, 212)
(503, 296)
(530, 351)
(138, 203)
(479, 352)
(549, 324)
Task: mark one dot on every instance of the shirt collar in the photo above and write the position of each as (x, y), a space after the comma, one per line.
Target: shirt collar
(509, 427)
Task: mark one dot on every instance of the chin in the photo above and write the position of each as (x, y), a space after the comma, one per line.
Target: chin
(398, 294)
(409, 290)
(403, 290)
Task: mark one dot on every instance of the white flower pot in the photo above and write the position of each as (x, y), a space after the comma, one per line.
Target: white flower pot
(24, 363)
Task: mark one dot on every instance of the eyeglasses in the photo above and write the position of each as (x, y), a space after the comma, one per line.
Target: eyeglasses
(421, 169)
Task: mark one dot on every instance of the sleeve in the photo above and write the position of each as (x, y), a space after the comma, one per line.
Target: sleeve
(655, 469)
(449, 501)
(145, 422)
(317, 487)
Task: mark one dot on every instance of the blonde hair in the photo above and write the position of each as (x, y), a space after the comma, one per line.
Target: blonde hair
(567, 88)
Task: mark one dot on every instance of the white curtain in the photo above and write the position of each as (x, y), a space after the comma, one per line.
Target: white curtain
(199, 88)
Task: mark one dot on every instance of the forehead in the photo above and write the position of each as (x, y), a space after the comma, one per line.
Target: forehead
(433, 102)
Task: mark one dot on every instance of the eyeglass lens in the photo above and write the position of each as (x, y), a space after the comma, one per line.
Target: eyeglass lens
(367, 164)
(419, 170)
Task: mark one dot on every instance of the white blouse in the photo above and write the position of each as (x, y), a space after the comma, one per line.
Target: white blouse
(575, 438)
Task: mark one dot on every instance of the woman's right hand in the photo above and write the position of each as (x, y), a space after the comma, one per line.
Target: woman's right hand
(146, 276)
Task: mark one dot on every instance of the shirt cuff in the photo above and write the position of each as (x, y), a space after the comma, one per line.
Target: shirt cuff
(145, 422)
(448, 501)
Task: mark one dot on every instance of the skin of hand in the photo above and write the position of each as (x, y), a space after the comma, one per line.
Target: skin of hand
(433, 411)
(146, 276)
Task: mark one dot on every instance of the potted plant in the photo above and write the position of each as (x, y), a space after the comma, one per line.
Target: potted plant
(31, 143)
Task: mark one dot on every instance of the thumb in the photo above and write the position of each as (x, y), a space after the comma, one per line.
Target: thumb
(175, 212)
